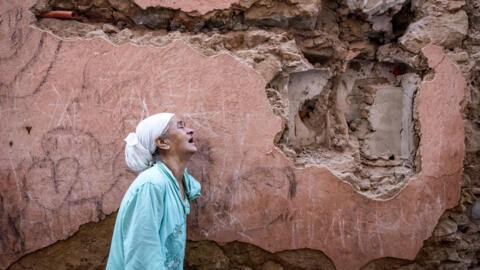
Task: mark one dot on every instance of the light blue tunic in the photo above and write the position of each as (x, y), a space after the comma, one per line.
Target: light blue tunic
(150, 230)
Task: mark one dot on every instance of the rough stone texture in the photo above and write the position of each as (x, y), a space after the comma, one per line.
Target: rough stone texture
(301, 14)
(374, 7)
(266, 9)
(52, 115)
(198, 16)
(460, 249)
(391, 53)
(202, 6)
(447, 30)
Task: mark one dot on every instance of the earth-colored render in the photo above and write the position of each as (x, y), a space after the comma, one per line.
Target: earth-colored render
(331, 134)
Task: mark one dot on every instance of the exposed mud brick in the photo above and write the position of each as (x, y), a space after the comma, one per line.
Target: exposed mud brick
(395, 54)
(374, 7)
(296, 14)
(391, 122)
(447, 30)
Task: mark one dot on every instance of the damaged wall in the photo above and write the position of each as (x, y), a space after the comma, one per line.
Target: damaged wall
(335, 131)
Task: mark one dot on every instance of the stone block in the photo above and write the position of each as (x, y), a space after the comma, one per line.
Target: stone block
(391, 119)
(447, 30)
(386, 116)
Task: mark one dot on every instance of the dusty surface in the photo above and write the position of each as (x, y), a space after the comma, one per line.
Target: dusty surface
(86, 249)
(63, 126)
(202, 6)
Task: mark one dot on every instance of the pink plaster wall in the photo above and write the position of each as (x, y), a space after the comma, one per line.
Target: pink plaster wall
(81, 98)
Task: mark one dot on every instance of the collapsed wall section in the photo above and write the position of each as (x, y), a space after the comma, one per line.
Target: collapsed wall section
(360, 124)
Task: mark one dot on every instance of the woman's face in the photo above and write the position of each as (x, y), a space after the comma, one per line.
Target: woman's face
(180, 138)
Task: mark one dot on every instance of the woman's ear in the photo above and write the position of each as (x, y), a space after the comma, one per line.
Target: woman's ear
(162, 144)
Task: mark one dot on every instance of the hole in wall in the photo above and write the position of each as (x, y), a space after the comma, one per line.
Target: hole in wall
(359, 124)
(402, 20)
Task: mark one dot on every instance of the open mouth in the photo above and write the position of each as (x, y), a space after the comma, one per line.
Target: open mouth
(191, 140)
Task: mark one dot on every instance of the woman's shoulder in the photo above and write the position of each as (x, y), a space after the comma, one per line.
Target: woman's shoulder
(146, 186)
(151, 176)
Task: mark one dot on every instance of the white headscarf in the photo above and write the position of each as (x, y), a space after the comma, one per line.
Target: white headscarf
(141, 144)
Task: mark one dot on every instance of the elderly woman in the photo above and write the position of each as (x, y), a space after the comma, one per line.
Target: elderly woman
(150, 230)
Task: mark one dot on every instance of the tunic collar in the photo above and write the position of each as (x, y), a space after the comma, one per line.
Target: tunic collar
(163, 168)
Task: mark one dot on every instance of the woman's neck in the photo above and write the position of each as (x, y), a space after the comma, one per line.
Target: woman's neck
(176, 165)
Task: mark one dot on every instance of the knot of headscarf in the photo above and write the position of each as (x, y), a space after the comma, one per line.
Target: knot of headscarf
(140, 145)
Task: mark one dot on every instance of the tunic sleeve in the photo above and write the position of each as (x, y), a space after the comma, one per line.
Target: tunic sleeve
(193, 187)
(141, 229)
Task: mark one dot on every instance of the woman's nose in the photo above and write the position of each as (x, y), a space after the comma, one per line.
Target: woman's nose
(190, 131)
